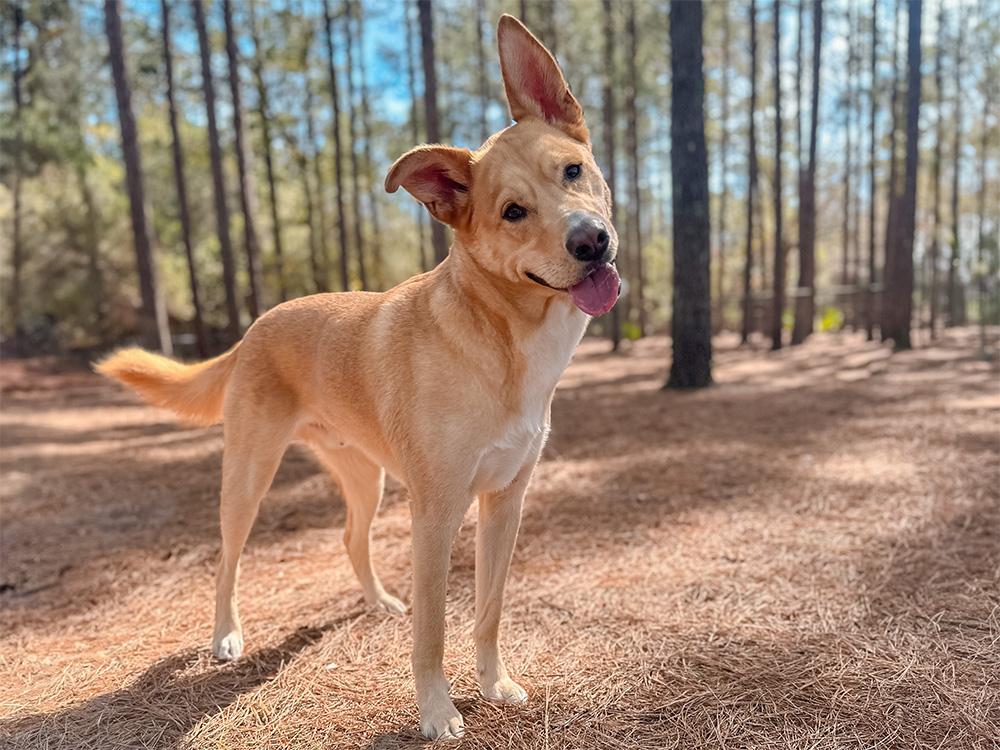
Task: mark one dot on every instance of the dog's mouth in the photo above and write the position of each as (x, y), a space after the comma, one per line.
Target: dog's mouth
(543, 282)
(596, 293)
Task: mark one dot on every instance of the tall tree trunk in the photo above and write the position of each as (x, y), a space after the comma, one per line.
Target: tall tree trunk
(180, 184)
(935, 249)
(481, 73)
(352, 149)
(95, 277)
(632, 147)
(250, 243)
(805, 308)
(153, 318)
(264, 115)
(317, 264)
(872, 179)
(411, 77)
(799, 52)
(892, 214)
(956, 294)
(438, 238)
(608, 133)
(752, 181)
(338, 177)
(371, 185)
(17, 250)
(779, 249)
(899, 289)
(319, 247)
(845, 226)
(983, 271)
(857, 297)
(691, 324)
(723, 236)
(218, 176)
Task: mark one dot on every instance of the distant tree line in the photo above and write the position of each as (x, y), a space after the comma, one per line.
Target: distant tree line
(778, 166)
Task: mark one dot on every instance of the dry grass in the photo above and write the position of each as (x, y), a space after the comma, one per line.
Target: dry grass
(806, 556)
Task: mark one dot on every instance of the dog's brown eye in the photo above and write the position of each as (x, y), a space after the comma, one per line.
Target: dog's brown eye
(514, 212)
(572, 171)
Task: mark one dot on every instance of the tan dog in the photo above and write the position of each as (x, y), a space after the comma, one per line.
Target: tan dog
(444, 381)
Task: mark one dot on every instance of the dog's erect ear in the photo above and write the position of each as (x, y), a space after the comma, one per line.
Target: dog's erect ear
(437, 176)
(534, 84)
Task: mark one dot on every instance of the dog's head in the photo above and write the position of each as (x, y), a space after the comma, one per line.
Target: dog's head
(530, 204)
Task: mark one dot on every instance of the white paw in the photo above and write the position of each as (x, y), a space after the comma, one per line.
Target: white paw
(441, 721)
(504, 690)
(388, 603)
(228, 646)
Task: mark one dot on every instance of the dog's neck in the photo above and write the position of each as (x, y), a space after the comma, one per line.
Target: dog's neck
(509, 304)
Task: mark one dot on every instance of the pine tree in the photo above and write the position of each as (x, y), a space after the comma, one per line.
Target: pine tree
(218, 176)
(153, 317)
(691, 326)
(180, 184)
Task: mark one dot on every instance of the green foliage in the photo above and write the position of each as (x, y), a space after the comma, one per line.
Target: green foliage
(831, 319)
(630, 331)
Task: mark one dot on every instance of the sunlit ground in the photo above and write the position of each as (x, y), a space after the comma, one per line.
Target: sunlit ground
(805, 555)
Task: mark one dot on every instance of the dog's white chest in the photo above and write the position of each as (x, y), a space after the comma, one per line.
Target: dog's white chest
(547, 353)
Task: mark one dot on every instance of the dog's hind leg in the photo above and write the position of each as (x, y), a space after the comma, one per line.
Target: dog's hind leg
(254, 445)
(362, 482)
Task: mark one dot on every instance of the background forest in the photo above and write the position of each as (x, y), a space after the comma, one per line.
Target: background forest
(803, 556)
(262, 182)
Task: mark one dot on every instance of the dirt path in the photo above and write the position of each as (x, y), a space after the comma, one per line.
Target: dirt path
(807, 555)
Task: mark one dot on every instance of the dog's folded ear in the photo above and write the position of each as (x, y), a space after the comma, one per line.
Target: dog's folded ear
(534, 84)
(439, 177)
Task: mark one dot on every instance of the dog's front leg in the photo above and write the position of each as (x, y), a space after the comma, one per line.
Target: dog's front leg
(499, 519)
(436, 518)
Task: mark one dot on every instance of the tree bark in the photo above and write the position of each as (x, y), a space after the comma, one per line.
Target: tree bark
(608, 133)
(892, 214)
(372, 186)
(935, 249)
(352, 149)
(956, 296)
(264, 115)
(856, 116)
(153, 317)
(218, 176)
(752, 181)
(982, 270)
(691, 324)
(779, 249)
(317, 265)
(250, 243)
(338, 177)
(438, 238)
(180, 184)
(872, 180)
(805, 307)
(411, 77)
(845, 227)
(723, 233)
(900, 284)
(632, 148)
(316, 205)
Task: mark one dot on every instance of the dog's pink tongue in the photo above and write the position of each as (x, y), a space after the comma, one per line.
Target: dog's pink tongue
(597, 293)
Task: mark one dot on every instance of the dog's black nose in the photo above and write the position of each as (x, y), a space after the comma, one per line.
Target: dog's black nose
(588, 239)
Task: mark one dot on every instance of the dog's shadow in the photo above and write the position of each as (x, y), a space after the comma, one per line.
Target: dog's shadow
(164, 703)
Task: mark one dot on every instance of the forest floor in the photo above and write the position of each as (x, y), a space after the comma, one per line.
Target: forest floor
(805, 555)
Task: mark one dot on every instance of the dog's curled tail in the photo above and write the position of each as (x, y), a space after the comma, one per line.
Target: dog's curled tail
(194, 392)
